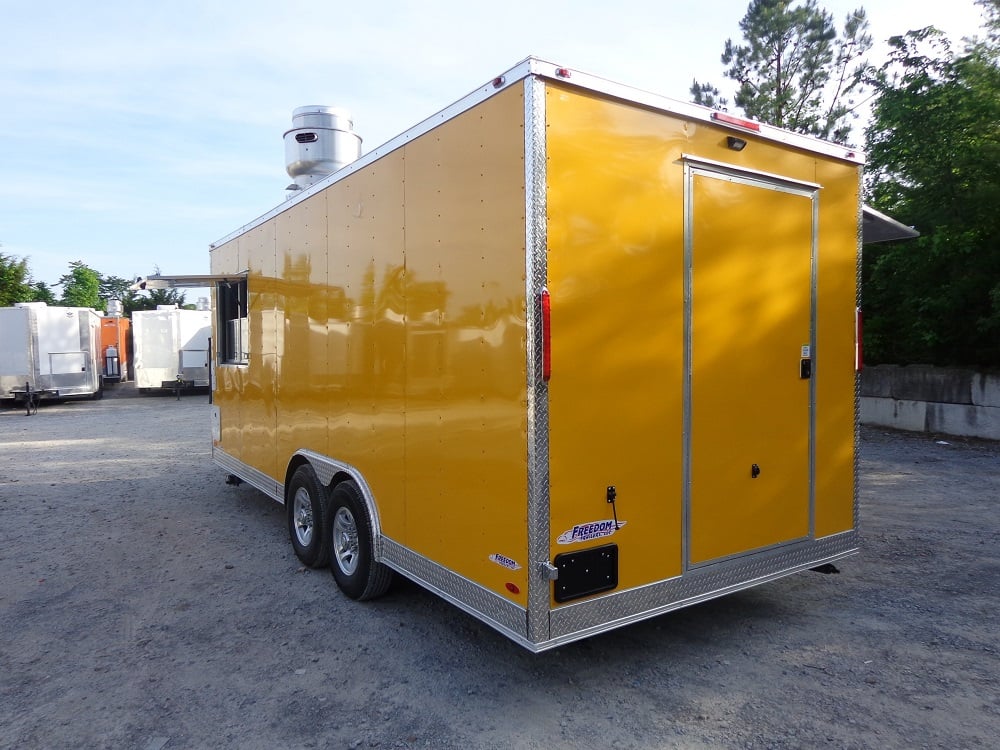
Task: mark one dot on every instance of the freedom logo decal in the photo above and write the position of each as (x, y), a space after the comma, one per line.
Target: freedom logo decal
(505, 561)
(586, 532)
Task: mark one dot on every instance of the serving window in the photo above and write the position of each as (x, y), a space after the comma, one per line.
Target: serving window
(233, 333)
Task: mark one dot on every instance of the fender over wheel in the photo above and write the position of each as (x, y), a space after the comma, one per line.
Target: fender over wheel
(307, 511)
(352, 559)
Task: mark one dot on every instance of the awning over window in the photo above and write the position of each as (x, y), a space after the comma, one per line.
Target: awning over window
(160, 281)
(877, 227)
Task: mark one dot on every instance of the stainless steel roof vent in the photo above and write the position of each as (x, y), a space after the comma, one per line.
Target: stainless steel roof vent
(321, 141)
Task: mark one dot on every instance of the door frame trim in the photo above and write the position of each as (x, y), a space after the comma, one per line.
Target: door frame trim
(695, 166)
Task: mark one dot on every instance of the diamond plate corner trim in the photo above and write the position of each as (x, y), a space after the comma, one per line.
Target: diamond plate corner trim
(575, 621)
(857, 374)
(250, 475)
(484, 605)
(536, 272)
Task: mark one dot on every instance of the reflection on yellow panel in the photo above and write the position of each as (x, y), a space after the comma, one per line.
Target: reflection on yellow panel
(300, 251)
(464, 347)
(365, 316)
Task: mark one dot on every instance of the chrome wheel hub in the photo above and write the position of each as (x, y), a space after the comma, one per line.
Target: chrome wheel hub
(302, 517)
(345, 541)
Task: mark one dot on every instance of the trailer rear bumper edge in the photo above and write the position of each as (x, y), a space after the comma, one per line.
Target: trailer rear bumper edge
(575, 621)
(485, 605)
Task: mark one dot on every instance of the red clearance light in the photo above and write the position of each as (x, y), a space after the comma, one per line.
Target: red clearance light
(546, 335)
(512, 588)
(563, 72)
(499, 81)
(859, 353)
(737, 121)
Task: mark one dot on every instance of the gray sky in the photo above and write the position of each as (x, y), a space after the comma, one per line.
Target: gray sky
(135, 133)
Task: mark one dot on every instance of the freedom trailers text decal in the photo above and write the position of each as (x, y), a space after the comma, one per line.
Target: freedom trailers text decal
(586, 532)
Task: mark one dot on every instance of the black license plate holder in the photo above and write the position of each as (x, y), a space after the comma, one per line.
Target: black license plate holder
(585, 572)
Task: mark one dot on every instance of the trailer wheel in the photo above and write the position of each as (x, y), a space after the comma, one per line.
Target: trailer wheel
(307, 504)
(351, 560)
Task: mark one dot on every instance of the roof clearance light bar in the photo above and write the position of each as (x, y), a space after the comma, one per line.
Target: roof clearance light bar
(738, 122)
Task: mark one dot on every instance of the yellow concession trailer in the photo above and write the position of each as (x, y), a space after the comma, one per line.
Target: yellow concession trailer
(567, 353)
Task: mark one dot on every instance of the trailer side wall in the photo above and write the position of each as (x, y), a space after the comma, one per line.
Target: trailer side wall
(387, 325)
(16, 365)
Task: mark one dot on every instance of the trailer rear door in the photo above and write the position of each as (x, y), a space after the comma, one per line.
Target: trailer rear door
(750, 244)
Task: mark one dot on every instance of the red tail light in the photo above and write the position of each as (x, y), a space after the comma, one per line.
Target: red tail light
(859, 354)
(737, 121)
(546, 335)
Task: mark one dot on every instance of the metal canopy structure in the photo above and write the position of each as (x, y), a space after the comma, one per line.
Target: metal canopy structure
(183, 282)
(877, 227)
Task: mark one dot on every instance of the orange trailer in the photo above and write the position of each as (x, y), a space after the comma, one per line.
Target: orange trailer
(115, 332)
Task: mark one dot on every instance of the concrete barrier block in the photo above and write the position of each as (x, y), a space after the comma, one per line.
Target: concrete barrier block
(888, 412)
(965, 420)
(934, 384)
(877, 380)
(986, 390)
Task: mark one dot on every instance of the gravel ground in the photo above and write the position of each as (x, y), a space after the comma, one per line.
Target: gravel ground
(146, 604)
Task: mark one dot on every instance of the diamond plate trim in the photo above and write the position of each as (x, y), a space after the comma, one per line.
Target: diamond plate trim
(857, 374)
(536, 271)
(327, 469)
(485, 605)
(248, 474)
(587, 618)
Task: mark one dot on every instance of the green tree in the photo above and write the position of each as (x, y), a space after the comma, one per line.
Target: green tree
(81, 286)
(157, 297)
(793, 70)
(40, 292)
(15, 280)
(934, 162)
(114, 287)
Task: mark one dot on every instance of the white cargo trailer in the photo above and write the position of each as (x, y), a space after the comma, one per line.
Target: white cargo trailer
(50, 352)
(171, 347)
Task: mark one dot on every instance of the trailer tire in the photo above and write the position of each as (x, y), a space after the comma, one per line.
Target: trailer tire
(307, 510)
(352, 561)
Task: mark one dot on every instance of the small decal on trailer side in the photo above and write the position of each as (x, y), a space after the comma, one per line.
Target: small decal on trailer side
(586, 532)
(505, 561)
